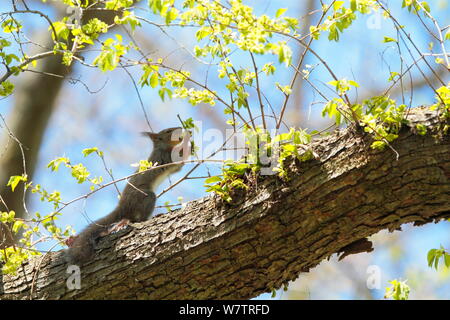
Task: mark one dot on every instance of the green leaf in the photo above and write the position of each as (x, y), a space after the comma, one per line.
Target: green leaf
(388, 39)
(333, 83)
(447, 35)
(203, 32)
(280, 12)
(80, 172)
(88, 151)
(154, 80)
(436, 260)
(398, 290)
(274, 293)
(16, 226)
(447, 259)
(331, 108)
(11, 25)
(168, 206)
(284, 54)
(378, 145)
(431, 256)
(337, 5)
(62, 32)
(171, 15)
(421, 129)
(6, 88)
(426, 6)
(54, 164)
(353, 83)
(14, 181)
(393, 75)
(163, 92)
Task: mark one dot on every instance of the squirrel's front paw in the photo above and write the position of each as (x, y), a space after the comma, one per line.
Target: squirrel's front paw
(116, 227)
(70, 240)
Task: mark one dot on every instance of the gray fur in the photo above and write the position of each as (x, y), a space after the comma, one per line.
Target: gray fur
(137, 201)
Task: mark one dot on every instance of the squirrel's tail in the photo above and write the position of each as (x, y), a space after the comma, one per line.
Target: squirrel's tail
(82, 248)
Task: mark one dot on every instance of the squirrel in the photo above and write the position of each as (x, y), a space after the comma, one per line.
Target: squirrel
(138, 198)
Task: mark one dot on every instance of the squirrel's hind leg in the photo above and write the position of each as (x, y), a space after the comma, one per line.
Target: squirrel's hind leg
(146, 207)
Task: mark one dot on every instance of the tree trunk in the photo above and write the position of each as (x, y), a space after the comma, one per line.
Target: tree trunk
(267, 237)
(35, 99)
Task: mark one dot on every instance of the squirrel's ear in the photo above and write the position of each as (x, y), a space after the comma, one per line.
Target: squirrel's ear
(151, 135)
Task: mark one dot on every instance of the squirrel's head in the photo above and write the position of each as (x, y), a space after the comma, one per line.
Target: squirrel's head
(169, 137)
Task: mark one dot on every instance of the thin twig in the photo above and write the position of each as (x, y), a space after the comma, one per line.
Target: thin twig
(258, 90)
(138, 94)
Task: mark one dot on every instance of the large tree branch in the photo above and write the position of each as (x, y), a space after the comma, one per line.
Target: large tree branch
(212, 250)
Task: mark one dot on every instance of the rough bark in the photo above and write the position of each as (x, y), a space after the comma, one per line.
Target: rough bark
(211, 250)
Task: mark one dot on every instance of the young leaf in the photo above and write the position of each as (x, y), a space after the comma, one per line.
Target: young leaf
(431, 256)
(447, 35)
(388, 39)
(280, 12)
(447, 259)
(14, 181)
(213, 179)
(88, 151)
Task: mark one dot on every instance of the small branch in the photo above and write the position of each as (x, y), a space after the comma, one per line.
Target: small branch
(401, 29)
(55, 35)
(438, 28)
(138, 94)
(24, 63)
(258, 90)
(299, 65)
